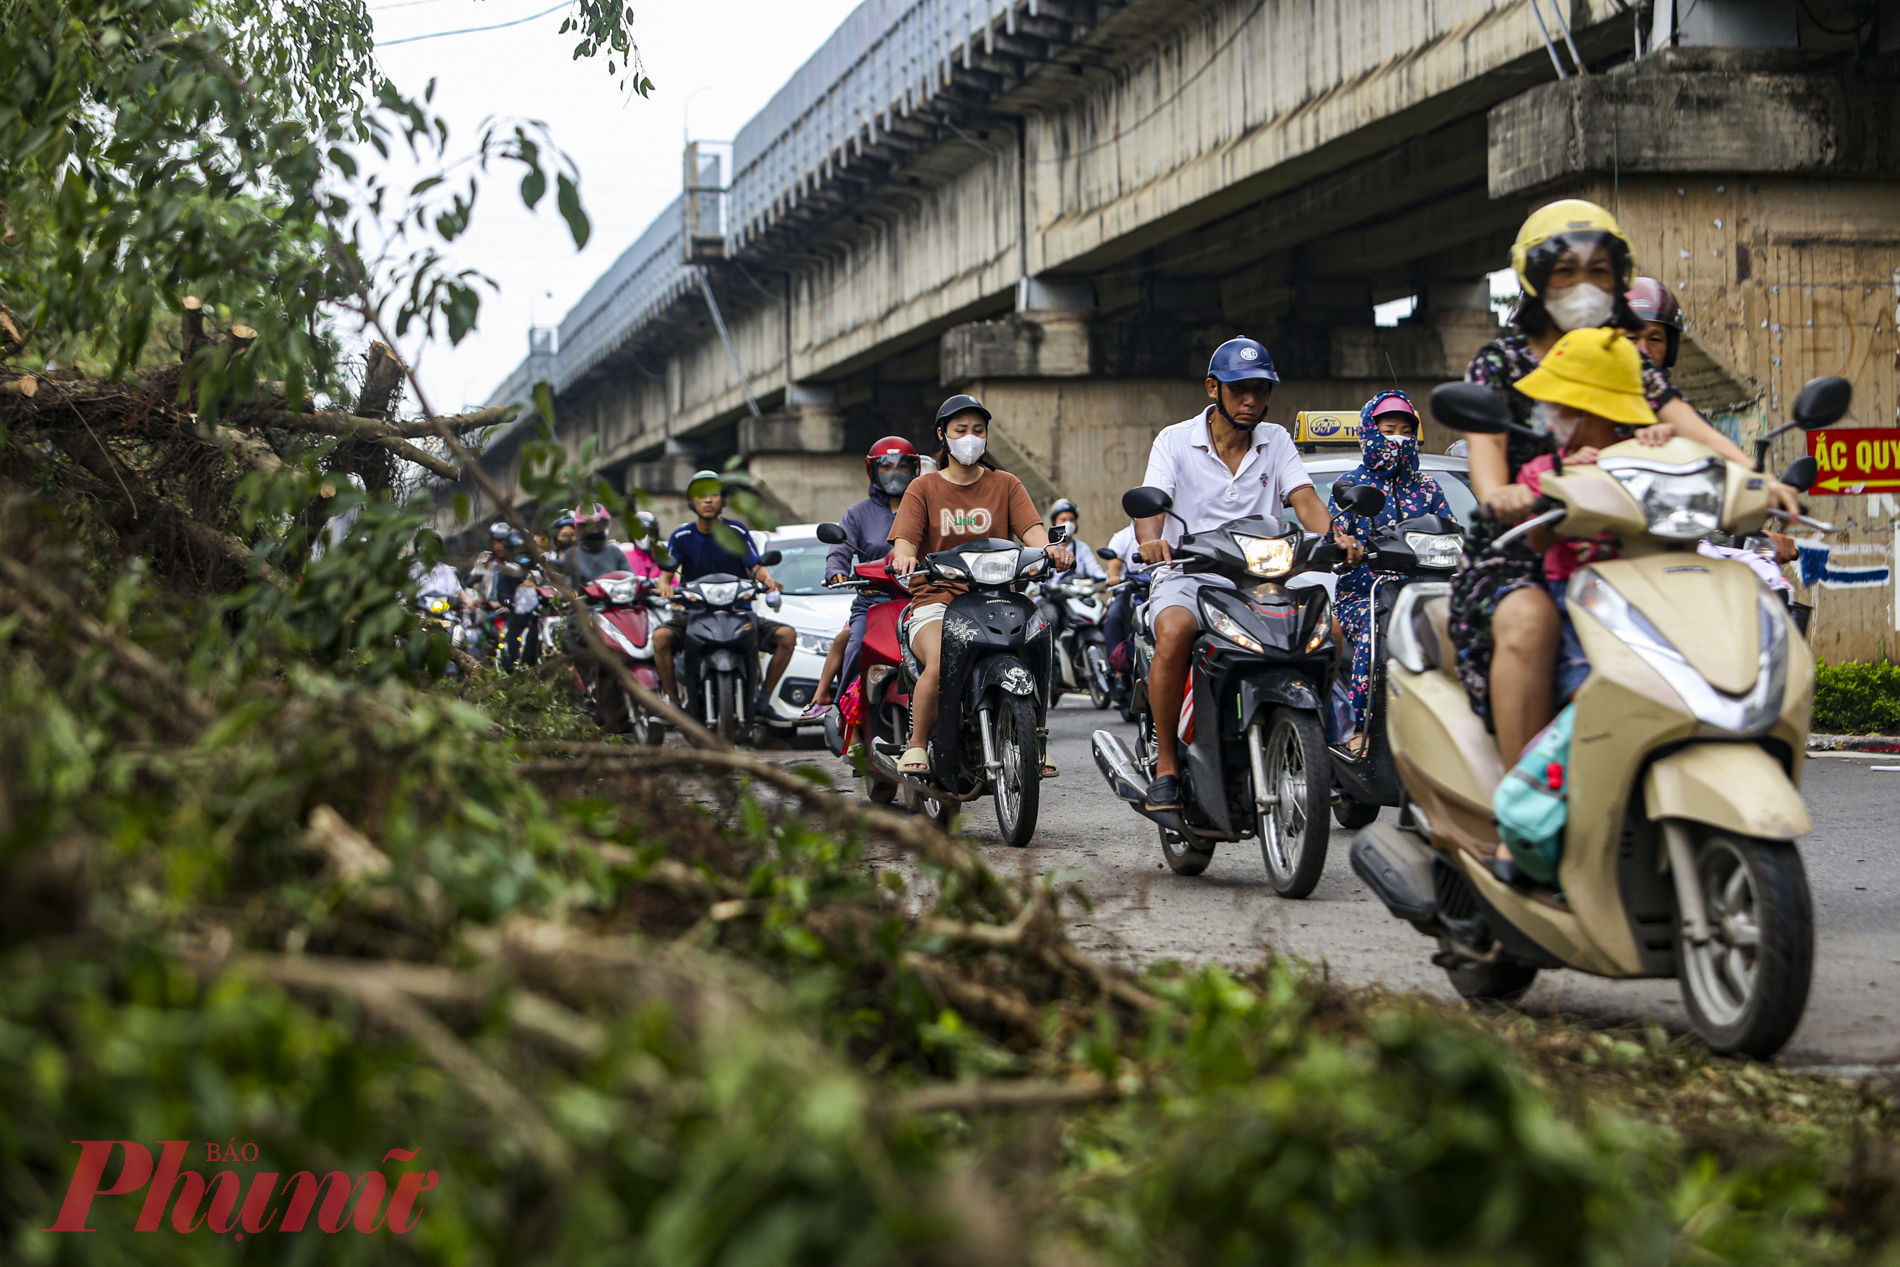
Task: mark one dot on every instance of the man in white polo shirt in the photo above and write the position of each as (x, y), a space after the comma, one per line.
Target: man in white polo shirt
(1219, 465)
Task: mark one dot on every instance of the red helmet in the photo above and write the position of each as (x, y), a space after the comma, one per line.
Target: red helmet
(1650, 300)
(892, 464)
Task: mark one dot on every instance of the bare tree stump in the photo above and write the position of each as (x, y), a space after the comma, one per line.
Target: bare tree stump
(383, 373)
(193, 324)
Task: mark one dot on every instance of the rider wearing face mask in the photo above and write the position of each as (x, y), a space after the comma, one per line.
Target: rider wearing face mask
(891, 465)
(593, 555)
(1388, 445)
(967, 499)
(1573, 266)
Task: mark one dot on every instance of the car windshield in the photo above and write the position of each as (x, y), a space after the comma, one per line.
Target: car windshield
(1455, 484)
(802, 571)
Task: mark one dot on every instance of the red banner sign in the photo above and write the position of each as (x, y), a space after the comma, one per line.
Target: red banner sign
(1856, 459)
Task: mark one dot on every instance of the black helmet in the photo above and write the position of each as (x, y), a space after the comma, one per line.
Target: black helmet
(962, 403)
(1061, 504)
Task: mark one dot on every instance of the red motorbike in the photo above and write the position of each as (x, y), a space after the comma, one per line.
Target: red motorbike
(874, 708)
(622, 606)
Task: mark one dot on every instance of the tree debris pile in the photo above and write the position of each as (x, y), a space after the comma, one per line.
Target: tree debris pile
(639, 1005)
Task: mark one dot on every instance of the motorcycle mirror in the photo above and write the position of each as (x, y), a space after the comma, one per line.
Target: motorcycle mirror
(1360, 499)
(1472, 407)
(771, 559)
(831, 534)
(1822, 402)
(1061, 533)
(1103, 552)
(1146, 502)
(1800, 474)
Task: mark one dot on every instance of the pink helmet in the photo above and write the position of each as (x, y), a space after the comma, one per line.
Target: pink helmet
(591, 519)
(1650, 300)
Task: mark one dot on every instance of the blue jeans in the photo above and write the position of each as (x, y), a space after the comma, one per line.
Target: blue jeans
(1573, 666)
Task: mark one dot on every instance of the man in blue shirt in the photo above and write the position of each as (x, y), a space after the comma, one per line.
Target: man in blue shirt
(696, 547)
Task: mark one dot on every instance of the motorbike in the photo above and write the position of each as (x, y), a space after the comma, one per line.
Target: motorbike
(1074, 605)
(877, 725)
(1678, 857)
(717, 664)
(1122, 663)
(992, 702)
(1421, 552)
(1252, 744)
(623, 609)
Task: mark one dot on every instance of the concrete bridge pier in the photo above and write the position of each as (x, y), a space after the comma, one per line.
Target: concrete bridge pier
(1766, 195)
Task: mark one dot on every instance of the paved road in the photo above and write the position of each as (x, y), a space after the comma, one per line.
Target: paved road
(1143, 912)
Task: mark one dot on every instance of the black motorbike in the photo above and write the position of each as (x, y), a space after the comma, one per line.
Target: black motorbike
(718, 659)
(1420, 552)
(993, 684)
(1252, 745)
(1123, 682)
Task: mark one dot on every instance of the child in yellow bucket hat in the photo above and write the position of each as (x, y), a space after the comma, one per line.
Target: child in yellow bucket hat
(1589, 394)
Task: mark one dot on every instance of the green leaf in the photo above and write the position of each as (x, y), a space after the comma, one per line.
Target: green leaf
(533, 185)
(568, 198)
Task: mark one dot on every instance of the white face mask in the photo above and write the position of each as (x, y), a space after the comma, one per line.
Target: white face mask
(1560, 421)
(1580, 307)
(967, 449)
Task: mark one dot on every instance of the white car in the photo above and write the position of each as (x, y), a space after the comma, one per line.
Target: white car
(816, 613)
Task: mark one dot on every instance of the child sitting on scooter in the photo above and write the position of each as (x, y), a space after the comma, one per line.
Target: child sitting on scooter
(1589, 391)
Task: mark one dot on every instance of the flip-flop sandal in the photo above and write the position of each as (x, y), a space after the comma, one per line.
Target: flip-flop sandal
(914, 762)
(1049, 770)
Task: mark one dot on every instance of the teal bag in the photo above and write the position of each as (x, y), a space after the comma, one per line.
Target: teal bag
(1531, 802)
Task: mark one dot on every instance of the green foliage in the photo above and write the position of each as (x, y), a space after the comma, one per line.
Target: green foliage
(1857, 699)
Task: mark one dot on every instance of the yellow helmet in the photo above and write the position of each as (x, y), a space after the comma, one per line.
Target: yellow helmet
(1555, 221)
(1597, 371)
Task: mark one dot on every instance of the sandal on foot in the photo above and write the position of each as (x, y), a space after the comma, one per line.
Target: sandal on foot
(914, 762)
(1049, 770)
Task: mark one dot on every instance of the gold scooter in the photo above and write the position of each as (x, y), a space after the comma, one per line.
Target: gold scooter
(1679, 855)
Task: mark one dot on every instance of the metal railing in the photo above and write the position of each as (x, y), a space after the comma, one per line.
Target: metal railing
(886, 59)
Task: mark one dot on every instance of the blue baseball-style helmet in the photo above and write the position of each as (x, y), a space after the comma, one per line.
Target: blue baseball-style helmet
(1239, 359)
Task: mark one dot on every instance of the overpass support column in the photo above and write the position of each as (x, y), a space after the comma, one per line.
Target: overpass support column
(796, 456)
(1766, 195)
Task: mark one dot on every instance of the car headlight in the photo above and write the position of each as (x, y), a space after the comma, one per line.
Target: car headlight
(1680, 503)
(621, 593)
(723, 594)
(1436, 549)
(992, 567)
(817, 644)
(1749, 714)
(1229, 628)
(1266, 556)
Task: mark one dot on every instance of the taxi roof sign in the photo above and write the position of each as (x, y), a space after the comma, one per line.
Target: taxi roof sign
(1326, 426)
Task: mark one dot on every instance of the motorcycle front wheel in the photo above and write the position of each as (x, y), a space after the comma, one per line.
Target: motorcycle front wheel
(1293, 828)
(1746, 987)
(1095, 668)
(726, 708)
(648, 730)
(1018, 789)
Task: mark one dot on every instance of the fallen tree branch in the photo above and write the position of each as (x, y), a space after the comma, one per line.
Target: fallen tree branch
(26, 385)
(973, 997)
(428, 461)
(342, 424)
(249, 449)
(1002, 1096)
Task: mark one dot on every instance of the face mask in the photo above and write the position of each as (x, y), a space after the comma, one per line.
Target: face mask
(1388, 455)
(595, 540)
(1580, 307)
(967, 449)
(1560, 421)
(893, 483)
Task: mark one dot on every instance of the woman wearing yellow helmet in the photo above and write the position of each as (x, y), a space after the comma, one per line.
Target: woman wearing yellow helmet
(1573, 264)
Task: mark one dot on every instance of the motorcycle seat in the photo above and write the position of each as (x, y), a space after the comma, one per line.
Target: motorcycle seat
(1431, 625)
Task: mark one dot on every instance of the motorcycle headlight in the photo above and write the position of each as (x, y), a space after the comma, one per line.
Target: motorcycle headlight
(723, 594)
(621, 593)
(993, 567)
(1436, 549)
(1266, 556)
(1680, 503)
(1749, 714)
(438, 606)
(816, 644)
(1229, 628)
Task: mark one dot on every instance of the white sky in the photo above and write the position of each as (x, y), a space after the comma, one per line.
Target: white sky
(627, 148)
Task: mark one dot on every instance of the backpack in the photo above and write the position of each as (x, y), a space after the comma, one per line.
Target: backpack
(1531, 801)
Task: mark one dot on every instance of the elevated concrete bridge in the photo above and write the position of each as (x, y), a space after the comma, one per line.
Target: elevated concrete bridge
(1062, 205)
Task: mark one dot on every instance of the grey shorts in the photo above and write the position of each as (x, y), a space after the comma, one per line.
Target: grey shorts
(1175, 588)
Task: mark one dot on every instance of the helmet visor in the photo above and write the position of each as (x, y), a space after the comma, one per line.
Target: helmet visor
(896, 462)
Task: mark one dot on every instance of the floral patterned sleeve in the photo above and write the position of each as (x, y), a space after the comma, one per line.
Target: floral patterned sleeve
(1488, 367)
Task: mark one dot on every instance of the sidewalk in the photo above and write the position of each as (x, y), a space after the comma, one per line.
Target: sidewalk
(1854, 743)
